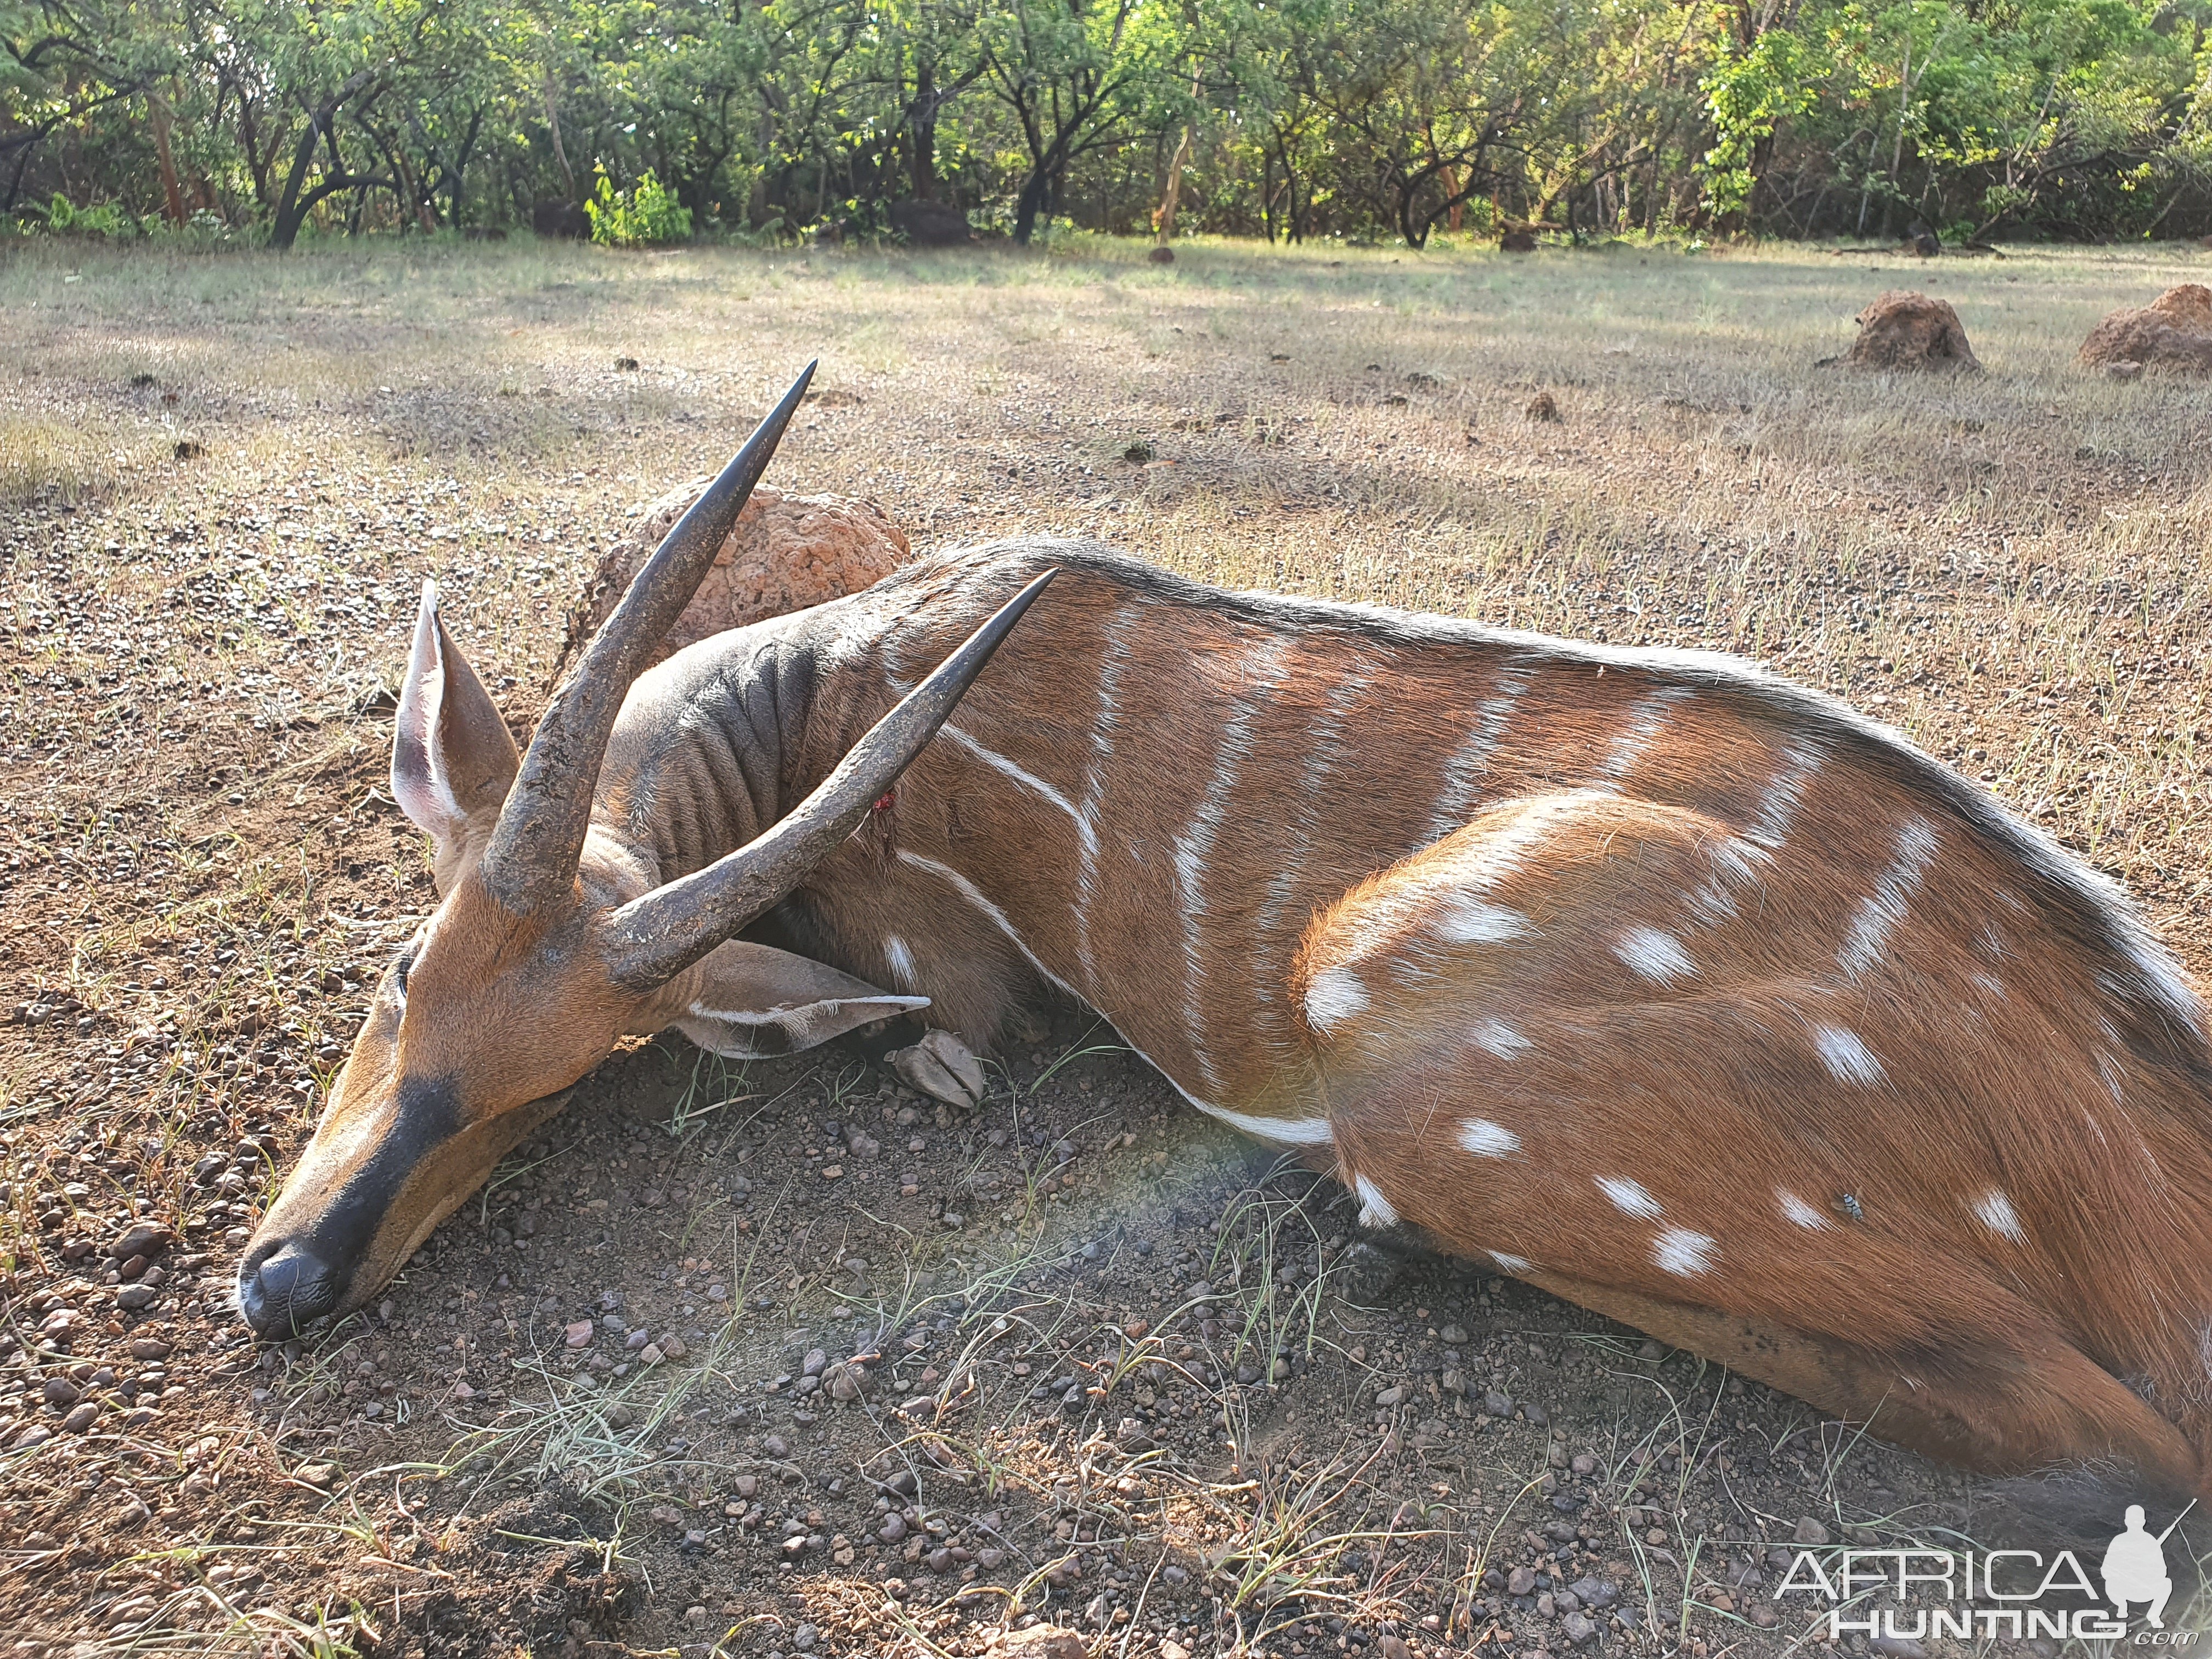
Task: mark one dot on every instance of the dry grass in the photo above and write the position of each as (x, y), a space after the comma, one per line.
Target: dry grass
(198, 871)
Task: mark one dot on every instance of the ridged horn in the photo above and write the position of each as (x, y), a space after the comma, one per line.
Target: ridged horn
(531, 860)
(655, 937)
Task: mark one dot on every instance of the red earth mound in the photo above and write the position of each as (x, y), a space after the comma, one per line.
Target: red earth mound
(785, 553)
(1905, 329)
(2174, 331)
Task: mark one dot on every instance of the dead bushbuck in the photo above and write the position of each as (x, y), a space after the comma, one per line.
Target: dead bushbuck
(1680, 992)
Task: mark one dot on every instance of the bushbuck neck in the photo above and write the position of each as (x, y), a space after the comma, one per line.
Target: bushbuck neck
(1657, 982)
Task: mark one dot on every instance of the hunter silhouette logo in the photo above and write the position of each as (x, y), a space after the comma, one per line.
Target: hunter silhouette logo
(2135, 1567)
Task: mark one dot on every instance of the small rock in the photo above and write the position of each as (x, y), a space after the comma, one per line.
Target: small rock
(1898, 1647)
(317, 1474)
(845, 1382)
(82, 1418)
(1763, 1615)
(1580, 1631)
(1584, 1464)
(804, 1637)
(1391, 1396)
(1522, 1581)
(1810, 1532)
(578, 1335)
(59, 1391)
(1597, 1593)
(146, 1238)
(776, 1445)
(815, 1364)
(132, 1297)
(893, 1529)
(745, 1486)
(1392, 1647)
(1453, 1336)
(1046, 1642)
(1536, 1413)
(671, 1347)
(1497, 1404)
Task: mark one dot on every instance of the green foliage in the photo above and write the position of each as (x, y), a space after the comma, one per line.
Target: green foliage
(99, 219)
(644, 215)
(1373, 119)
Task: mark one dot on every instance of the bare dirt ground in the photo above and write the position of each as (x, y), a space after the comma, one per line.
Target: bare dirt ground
(927, 1380)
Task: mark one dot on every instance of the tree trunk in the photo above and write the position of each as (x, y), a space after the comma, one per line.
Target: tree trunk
(560, 152)
(172, 196)
(921, 128)
(1031, 203)
(1164, 221)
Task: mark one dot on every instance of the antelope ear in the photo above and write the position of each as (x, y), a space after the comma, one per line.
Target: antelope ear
(452, 757)
(754, 1002)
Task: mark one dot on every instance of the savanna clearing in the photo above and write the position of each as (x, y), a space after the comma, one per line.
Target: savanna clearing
(1115, 1372)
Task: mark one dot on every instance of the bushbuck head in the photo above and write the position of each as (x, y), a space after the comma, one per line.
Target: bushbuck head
(551, 939)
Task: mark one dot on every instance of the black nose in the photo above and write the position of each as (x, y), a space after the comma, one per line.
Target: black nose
(285, 1289)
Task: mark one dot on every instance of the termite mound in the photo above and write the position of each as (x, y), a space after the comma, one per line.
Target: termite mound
(1905, 329)
(785, 553)
(2172, 331)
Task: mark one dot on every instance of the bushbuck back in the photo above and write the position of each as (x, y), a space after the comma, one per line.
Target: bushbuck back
(1653, 980)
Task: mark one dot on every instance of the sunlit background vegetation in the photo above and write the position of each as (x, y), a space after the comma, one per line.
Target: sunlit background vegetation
(1398, 120)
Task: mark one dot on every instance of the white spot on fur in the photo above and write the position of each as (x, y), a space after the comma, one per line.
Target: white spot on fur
(1335, 995)
(1495, 1037)
(1510, 1264)
(1472, 921)
(1655, 955)
(1629, 1197)
(1683, 1252)
(1882, 910)
(1796, 1210)
(1375, 1210)
(1995, 1210)
(1845, 1056)
(899, 959)
(1483, 1138)
(1991, 983)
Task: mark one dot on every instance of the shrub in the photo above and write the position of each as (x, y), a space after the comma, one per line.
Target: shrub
(637, 217)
